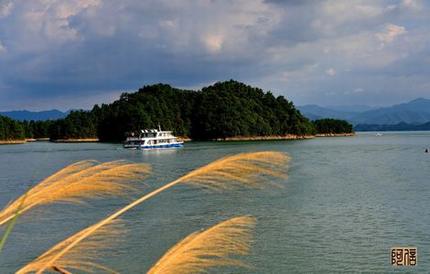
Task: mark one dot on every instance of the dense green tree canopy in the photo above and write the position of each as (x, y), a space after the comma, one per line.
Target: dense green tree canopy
(324, 126)
(11, 129)
(149, 107)
(78, 124)
(231, 108)
(222, 110)
(225, 109)
(37, 129)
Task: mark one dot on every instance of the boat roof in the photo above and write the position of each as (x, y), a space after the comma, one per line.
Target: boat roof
(154, 131)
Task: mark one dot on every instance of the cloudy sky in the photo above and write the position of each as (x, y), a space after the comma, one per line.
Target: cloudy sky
(74, 53)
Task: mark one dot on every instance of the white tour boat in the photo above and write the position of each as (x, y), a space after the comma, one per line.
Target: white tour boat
(151, 139)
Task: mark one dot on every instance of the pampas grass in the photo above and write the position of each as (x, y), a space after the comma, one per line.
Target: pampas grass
(83, 256)
(77, 182)
(241, 170)
(212, 247)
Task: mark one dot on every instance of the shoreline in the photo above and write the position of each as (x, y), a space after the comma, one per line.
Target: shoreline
(265, 138)
(282, 137)
(12, 142)
(186, 139)
(335, 135)
(78, 140)
(23, 141)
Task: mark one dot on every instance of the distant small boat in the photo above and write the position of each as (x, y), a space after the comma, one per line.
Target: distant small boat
(378, 134)
(153, 139)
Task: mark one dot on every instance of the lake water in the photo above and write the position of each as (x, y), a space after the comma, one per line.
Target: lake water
(347, 201)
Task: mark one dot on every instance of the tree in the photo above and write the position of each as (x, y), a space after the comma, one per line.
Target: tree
(332, 126)
(11, 129)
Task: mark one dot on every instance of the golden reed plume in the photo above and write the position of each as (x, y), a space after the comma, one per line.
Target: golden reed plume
(241, 170)
(76, 182)
(212, 247)
(81, 257)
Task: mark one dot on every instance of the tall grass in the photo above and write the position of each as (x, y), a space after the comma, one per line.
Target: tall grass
(81, 257)
(77, 182)
(212, 247)
(241, 170)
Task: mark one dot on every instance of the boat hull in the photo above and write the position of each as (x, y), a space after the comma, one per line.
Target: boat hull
(157, 146)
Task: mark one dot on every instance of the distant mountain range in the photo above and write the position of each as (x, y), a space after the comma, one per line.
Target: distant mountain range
(413, 113)
(22, 115)
(396, 127)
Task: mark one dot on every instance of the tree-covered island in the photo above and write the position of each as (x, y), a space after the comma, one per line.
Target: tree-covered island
(224, 110)
(332, 126)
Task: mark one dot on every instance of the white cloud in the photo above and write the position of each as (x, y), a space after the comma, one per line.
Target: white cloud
(351, 10)
(354, 91)
(213, 42)
(390, 33)
(168, 24)
(333, 16)
(330, 93)
(51, 19)
(6, 8)
(70, 8)
(331, 72)
(2, 48)
(412, 4)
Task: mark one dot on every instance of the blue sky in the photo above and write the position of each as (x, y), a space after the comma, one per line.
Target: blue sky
(74, 53)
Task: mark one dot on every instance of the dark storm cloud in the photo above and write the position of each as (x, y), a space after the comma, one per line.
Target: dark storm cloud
(312, 51)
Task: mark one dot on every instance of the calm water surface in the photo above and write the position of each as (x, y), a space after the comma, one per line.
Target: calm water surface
(346, 202)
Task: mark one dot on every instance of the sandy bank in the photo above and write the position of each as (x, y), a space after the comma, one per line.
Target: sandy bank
(187, 139)
(12, 142)
(335, 135)
(183, 138)
(283, 137)
(83, 140)
(264, 138)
